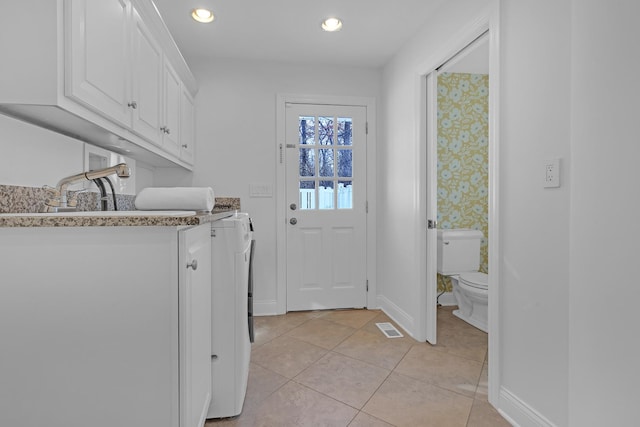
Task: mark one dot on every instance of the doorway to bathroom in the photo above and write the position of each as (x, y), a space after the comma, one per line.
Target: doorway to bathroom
(464, 160)
(463, 157)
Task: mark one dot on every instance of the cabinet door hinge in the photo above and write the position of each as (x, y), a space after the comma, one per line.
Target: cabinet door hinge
(367, 285)
(366, 128)
(366, 207)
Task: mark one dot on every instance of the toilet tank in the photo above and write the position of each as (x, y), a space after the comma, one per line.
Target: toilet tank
(458, 251)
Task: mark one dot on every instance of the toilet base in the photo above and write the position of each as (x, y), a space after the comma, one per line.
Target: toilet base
(472, 304)
(472, 321)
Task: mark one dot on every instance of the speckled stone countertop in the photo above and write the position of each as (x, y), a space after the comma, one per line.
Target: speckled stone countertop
(77, 220)
(17, 203)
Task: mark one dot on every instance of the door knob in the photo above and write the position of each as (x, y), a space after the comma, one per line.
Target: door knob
(193, 264)
(293, 206)
(293, 221)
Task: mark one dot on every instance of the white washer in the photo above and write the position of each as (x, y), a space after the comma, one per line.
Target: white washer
(230, 345)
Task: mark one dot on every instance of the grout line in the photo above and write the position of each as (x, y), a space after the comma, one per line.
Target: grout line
(332, 351)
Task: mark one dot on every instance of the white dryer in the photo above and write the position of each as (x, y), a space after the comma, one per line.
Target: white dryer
(231, 242)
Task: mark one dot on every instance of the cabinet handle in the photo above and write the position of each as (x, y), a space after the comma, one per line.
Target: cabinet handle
(167, 130)
(194, 265)
(184, 145)
(133, 105)
(163, 129)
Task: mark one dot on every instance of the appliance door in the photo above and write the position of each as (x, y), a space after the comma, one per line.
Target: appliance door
(250, 296)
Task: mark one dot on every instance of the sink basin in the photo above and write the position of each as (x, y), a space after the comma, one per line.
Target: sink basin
(105, 213)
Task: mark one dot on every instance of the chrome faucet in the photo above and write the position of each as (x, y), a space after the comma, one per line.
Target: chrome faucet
(60, 203)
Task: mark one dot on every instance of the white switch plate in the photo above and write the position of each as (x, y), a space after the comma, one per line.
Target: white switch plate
(260, 190)
(552, 173)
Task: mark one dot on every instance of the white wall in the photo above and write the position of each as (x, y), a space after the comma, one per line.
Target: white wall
(236, 139)
(535, 111)
(535, 126)
(32, 157)
(604, 326)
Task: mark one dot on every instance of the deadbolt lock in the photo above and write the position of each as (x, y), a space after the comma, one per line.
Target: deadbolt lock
(293, 221)
(293, 206)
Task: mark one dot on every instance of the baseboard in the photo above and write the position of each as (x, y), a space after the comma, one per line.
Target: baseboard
(447, 299)
(396, 314)
(518, 413)
(265, 308)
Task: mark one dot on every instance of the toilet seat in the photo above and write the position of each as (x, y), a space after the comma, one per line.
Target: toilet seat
(475, 280)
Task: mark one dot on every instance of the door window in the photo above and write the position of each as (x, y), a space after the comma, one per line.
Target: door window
(325, 146)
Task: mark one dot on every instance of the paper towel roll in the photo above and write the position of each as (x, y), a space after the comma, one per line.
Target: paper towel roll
(175, 198)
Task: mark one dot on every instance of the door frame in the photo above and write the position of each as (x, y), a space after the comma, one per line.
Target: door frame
(487, 21)
(282, 99)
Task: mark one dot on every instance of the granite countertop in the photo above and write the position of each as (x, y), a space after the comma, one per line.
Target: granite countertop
(109, 219)
(17, 205)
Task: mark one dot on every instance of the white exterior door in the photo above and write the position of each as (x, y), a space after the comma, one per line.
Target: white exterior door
(326, 206)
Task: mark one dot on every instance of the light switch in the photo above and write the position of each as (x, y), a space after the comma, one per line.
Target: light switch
(260, 190)
(552, 173)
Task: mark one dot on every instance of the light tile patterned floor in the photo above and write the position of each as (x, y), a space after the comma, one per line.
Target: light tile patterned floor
(335, 368)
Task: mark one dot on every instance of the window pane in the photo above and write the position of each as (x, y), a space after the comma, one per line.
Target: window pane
(307, 164)
(345, 195)
(325, 195)
(325, 162)
(345, 133)
(325, 130)
(307, 195)
(307, 130)
(345, 163)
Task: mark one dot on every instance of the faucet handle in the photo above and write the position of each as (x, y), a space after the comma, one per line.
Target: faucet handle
(72, 198)
(50, 189)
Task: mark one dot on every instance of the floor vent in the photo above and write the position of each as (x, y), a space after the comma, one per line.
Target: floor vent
(389, 330)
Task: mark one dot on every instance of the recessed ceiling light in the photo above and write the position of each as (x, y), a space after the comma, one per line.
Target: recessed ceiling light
(202, 15)
(331, 24)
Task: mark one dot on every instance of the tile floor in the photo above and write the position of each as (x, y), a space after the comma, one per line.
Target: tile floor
(335, 368)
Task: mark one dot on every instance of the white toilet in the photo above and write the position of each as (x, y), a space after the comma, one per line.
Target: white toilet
(459, 258)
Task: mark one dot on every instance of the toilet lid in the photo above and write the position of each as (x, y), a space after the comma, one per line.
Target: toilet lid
(476, 280)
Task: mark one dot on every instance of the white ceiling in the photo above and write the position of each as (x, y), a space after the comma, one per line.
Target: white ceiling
(289, 30)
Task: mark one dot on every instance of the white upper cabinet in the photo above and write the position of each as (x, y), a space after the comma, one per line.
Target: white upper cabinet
(116, 67)
(187, 127)
(147, 82)
(103, 71)
(98, 70)
(171, 110)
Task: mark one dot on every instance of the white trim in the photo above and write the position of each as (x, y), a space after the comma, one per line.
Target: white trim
(518, 413)
(489, 20)
(265, 308)
(397, 314)
(494, 249)
(281, 100)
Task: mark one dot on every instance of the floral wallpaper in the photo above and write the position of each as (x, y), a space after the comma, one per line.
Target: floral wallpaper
(463, 136)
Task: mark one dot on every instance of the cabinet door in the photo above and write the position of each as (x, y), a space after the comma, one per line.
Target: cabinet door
(187, 127)
(172, 94)
(195, 325)
(97, 52)
(147, 82)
